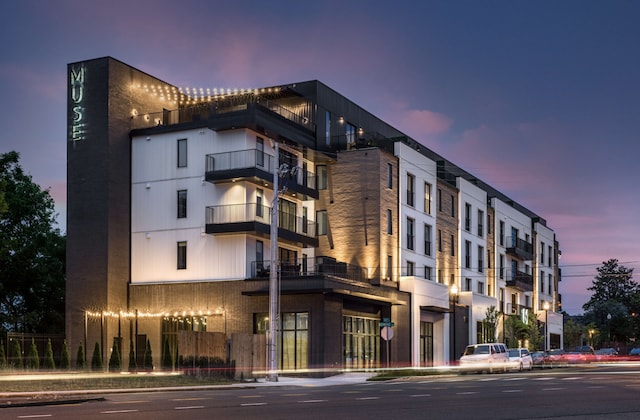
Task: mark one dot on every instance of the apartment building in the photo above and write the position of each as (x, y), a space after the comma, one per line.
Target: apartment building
(173, 208)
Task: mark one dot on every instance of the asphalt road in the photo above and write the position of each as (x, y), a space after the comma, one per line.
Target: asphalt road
(590, 393)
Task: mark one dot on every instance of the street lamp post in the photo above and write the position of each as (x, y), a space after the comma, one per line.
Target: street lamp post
(545, 306)
(609, 328)
(591, 331)
(453, 291)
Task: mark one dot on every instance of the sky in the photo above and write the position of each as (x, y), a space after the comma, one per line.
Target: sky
(540, 99)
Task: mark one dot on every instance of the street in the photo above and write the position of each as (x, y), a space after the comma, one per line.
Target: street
(584, 393)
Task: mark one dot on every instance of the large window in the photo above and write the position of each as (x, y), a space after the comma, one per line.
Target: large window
(411, 268)
(480, 223)
(427, 198)
(411, 233)
(321, 176)
(389, 222)
(259, 151)
(321, 220)
(350, 134)
(427, 239)
(411, 180)
(480, 259)
(467, 254)
(467, 217)
(327, 128)
(389, 175)
(287, 215)
(259, 202)
(182, 153)
(182, 255)
(361, 342)
(293, 340)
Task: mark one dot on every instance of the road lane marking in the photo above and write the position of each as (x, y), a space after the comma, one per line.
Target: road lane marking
(466, 393)
(252, 404)
(34, 416)
(512, 390)
(312, 401)
(189, 407)
(368, 398)
(553, 389)
(570, 379)
(189, 399)
(118, 411)
(515, 379)
(419, 395)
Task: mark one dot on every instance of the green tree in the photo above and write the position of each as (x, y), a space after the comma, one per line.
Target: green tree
(65, 357)
(148, 357)
(48, 362)
(81, 358)
(167, 360)
(533, 333)
(3, 356)
(114, 360)
(514, 331)
(132, 358)
(613, 306)
(33, 360)
(32, 254)
(490, 324)
(96, 359)
(17, 355)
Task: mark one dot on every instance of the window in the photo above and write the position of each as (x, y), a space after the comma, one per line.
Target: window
(427, 198)
(260, 268)
(439, 240)
(501, 233)
(440, 279)
(389, 222)
(182, 204)
(426, 343)
(541, 252)
(501, 268)
(453, 246)
(427, 272)
(427, 239)
(480, 223)
(361, 342)
(259, 151)
(480, 259)
(293, 343)
(489, 258)
(549, 256)
(467, 254)
(452, 278)
(350, 134)
(305, 219)
(489, 224)
(467, 217)
(259, 205)
(321, 174)
(182, 153)
(321, 220)
(467, 284)
(287, 211)
(411, 268)
(410, 233)
(389, 175)
(327, 128)
(481, 287)
(411, 190)
(439, 198)
(541, 281)
(453, 206)
(182, 255)
(389, 267)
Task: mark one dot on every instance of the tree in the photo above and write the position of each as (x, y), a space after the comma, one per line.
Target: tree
(81, 358)
(96, 359)
(32, 254)
(48, 362)
(114, 360)
(614, 302)
(33, 360)
(514, 331)
(148, 357)
(490, 324)
(3, 356)
(65, 357)
(17, 355)
(132, 358)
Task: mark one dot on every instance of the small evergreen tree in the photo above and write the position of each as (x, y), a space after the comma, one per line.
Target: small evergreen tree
(17, 356)
(114, 360)
(167, 360)
(81, 359)
(133, 366)
(65, 357)
(3, 356)
(148, 357)
(33, 360)
(48, 362)
(96, 359)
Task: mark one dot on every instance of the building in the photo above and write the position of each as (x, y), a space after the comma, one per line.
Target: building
(169, 229)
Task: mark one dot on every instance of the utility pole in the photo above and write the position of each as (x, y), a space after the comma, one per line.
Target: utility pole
(272, 363)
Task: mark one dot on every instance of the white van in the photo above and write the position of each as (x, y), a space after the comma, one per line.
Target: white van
(490, 357)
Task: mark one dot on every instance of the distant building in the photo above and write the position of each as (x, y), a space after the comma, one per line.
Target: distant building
(169, 216)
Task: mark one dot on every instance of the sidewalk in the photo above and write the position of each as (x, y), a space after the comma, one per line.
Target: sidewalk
(20, 399)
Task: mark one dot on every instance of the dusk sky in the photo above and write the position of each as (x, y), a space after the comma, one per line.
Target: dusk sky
(540, 99)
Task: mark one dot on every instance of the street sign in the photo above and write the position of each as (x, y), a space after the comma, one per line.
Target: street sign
(386, 333)
(386, 322)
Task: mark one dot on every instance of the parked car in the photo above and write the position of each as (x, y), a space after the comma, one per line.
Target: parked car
(556, 358)
(520, 359)
(539, 359)
(606, 355)
(489, 357)
(582, 354)
(635, 352)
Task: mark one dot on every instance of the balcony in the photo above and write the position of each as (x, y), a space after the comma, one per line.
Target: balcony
(311, 266)
(519, 248)
(257, 167)
(520, 280)
(254, 219)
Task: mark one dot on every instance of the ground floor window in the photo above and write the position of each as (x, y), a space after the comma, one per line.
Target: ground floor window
(293, 338)
(361, 342)
(426, 343)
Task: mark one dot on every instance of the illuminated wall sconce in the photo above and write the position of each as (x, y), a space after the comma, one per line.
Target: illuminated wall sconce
(148, 186)
(147, 117)
(341, 120)
(134, 112)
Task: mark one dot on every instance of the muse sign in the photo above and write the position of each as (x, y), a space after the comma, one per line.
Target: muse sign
(77, 76)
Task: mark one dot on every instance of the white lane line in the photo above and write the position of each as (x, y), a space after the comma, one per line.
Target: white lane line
(118, 411)
(553, 389)
(466, 393)
(252, 404)
(368, 398)
(512, 390)
(570, 379)
(515, 379)
(189, 407)
(419, 395)
(34, 416)
(312, 401)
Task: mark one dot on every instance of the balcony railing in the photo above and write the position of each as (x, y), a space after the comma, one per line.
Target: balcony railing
(241, 214)
(520, 248)
(220, 166)
(520, 280)
(311, 266)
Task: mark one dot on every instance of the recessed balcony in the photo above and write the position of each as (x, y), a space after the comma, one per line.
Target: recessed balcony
(257, 167)
(255, 219)
(520, 280)
(519, 248)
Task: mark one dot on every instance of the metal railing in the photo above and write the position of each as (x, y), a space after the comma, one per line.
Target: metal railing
(311, 266)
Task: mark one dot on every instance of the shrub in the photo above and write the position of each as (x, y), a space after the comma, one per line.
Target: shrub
(148, 357)
(81, 359)
(114, 360)
(133, 366)
(167, 360)
(65, 357)
(33, 360)
(96, 359)
(48, 362)
(3, 356)
(17, 356)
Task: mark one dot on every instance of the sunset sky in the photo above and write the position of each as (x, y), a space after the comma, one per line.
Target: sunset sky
(540, 99)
